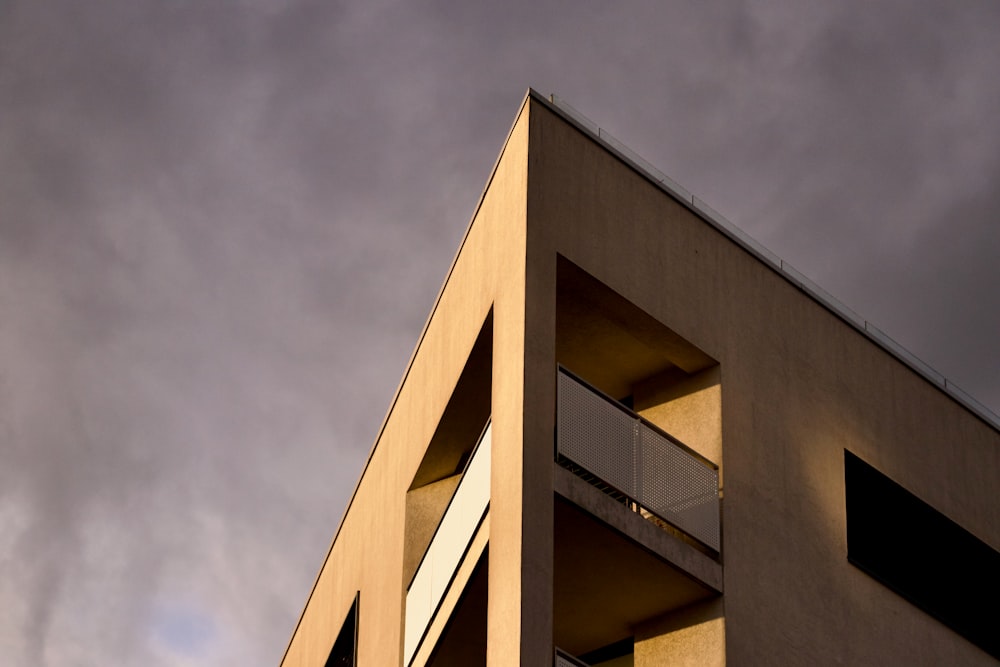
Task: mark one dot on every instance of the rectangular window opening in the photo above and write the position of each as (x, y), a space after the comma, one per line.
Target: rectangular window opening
(922, 555)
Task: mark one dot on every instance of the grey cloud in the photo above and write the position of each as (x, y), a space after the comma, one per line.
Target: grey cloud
(222, 226)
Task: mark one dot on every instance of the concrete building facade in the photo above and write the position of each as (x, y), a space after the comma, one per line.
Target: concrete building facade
(629, 435)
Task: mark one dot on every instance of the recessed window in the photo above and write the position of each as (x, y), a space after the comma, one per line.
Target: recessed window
(922, 555)
(345, 648)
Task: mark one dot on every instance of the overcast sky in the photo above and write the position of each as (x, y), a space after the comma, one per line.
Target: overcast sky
(222, 224)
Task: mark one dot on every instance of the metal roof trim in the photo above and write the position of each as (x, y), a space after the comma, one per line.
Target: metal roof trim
(751, 245)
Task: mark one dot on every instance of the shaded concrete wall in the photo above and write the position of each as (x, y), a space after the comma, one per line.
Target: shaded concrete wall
(798, 386)
(425, 506)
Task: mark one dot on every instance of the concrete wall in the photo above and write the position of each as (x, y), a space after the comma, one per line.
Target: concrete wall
(798, 386)
(688, 407)
(689, 637)
(425, 506)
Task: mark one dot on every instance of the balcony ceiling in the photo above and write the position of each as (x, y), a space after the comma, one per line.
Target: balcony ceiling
(606, 583)
(609, 341)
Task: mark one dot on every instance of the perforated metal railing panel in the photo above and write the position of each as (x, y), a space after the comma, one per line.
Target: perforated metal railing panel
(596, 435)
(678, 487)
(637, 460)
(565, 660)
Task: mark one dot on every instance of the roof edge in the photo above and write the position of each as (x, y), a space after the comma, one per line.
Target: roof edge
(697, 206)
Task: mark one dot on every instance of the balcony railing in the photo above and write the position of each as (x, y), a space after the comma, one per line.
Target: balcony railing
(635, 460)
(563, 659)
(448, 545)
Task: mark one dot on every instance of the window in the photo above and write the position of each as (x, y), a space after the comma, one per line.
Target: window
(345, 648)
(922, 555)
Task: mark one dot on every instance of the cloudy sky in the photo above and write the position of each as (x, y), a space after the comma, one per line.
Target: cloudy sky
(223, 222)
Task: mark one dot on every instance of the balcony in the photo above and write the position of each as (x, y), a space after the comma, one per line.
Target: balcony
(448, 546)
(617, 658)
(637, 522)
(635, 462)
(563, 659)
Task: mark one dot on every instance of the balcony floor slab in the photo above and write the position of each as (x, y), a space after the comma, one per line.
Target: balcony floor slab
(614, 569)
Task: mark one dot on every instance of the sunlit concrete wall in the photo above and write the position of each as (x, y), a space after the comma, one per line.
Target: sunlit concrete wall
(689, 408)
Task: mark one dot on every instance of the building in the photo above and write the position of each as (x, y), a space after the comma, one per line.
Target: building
(631, 436)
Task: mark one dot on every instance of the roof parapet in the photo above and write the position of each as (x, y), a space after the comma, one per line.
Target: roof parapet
(755, 248)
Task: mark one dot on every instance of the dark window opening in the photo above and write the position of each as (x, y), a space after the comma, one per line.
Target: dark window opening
(922, 555)
(345, 648)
